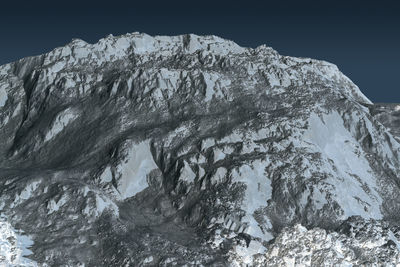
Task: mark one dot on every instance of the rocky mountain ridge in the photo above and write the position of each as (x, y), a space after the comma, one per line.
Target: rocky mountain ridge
(141, 150)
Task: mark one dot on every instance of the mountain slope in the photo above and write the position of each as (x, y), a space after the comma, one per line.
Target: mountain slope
(187, 149)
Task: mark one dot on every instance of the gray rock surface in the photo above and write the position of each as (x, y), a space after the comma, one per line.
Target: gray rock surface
(141, 150)
(389, 115)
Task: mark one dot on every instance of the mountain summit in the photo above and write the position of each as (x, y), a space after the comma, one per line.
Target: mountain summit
(146, 151)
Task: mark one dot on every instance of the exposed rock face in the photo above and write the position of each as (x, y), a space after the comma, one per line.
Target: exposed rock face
(365, 243)
(143, 150)
(389, 115)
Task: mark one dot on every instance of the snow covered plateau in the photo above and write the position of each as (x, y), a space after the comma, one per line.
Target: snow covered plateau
(193, 151)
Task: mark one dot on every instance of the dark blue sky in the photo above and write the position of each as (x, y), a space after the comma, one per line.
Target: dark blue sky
(361, 37)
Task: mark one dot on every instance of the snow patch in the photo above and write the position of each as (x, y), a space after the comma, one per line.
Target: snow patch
(148, 260)
(106, 176)
(134, 171)
(219, 176)
(207, 143)
(394, 239)
(352, 179)
(3, 96)
(246, 253)
(210, 79)
(104, 203)
(187, 173)
(14, 247)
(54, 205)
(60, 122)
(218, 154)
(28, 190)
(258, 192)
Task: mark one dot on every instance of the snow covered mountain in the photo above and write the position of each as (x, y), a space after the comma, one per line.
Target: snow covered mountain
(141, 150)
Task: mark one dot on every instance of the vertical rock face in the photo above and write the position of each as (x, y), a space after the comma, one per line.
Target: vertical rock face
(141, 150)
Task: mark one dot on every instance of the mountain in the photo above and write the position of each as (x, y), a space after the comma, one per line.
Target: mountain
(146, 151)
